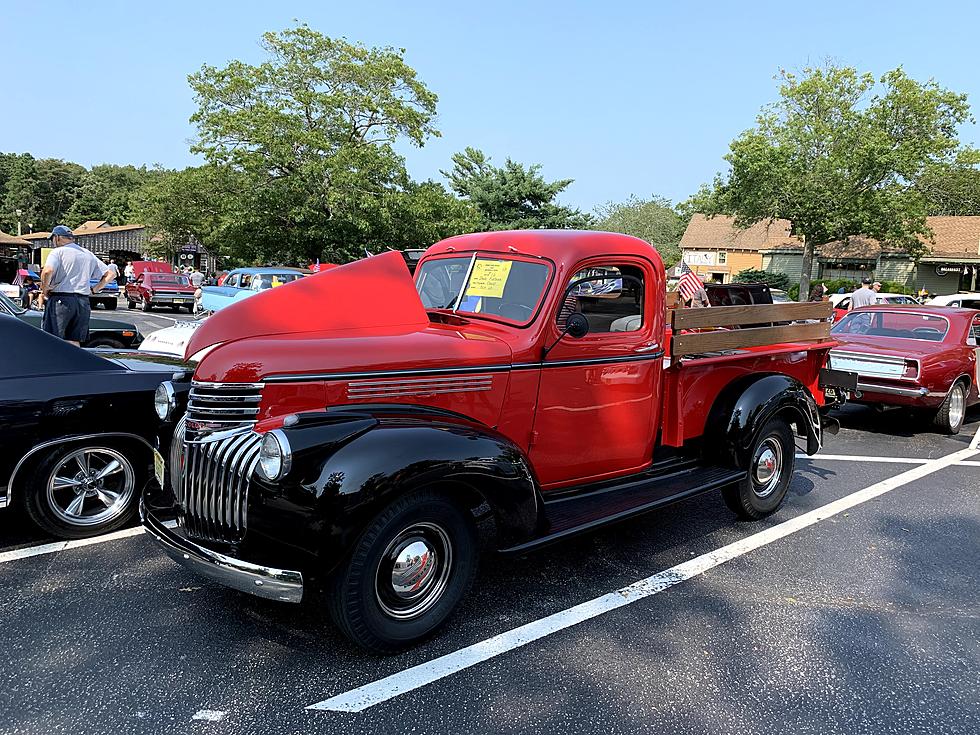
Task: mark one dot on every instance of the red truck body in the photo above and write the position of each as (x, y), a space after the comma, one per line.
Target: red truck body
(523, 372)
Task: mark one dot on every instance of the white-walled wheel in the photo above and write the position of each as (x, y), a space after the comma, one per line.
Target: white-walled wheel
(769, 465)
(408, 571)
(83, 491)
(949, 419)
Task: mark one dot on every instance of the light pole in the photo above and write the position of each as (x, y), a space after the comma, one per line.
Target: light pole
(19, 213)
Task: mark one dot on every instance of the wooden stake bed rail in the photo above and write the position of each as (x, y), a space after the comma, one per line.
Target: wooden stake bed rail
(747, 335)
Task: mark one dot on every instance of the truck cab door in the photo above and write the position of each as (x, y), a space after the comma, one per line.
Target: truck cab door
(599, 397)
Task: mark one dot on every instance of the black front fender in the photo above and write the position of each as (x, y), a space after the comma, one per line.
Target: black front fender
(744, 407)
(347, 467)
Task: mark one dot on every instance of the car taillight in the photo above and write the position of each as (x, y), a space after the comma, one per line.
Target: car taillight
(127, 333)
(911, 369)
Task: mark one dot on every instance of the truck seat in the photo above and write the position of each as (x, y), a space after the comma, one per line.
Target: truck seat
(627, 323)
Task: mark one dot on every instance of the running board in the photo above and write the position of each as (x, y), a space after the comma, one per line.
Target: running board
(571, 515)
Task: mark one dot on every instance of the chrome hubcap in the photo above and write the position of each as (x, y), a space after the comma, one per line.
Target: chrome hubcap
(767, 467)
(414, 571)
(957, 406)
(90, 486)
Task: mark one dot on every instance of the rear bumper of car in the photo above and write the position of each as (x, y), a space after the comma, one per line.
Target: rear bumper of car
(272, 584)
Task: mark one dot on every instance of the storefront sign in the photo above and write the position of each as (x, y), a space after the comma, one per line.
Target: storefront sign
(693, 258)
(948, 270)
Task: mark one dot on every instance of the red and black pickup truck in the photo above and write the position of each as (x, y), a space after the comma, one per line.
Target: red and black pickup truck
(528, 384)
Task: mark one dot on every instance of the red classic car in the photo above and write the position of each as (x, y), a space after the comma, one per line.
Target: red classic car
(520, 386)
(161, 289)
(920, 356)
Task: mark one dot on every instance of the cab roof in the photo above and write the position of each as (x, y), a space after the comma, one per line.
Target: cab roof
(560, 246)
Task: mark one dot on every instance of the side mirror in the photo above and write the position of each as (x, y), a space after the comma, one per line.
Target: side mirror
(576, 325)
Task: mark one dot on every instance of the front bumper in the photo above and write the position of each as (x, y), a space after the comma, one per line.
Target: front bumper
(272, 584)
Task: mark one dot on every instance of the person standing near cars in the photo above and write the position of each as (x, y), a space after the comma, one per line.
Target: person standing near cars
(65, 287)
(864, 296)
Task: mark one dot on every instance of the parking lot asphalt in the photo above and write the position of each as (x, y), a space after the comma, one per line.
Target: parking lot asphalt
(865, 621)
(147, 321)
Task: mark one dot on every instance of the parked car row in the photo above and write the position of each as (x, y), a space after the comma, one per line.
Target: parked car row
(525, 387)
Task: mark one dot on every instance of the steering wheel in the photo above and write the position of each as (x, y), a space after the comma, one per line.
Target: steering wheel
(516, 312)
(929, 333)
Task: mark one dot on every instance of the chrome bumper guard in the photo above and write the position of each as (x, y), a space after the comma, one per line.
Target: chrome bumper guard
(272, 584)
(891, 390)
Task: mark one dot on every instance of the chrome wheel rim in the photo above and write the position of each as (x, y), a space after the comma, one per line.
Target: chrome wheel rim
(90, 486)
(957, 406)
(767, 467)
(414, 571)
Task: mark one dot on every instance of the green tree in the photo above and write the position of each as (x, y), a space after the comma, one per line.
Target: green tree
(179, 205)
(752, 275)
(107, 193)
(43, 189)
(840, 155)
(311, 132)
(512, 197)
(654, 220)
(952, 189)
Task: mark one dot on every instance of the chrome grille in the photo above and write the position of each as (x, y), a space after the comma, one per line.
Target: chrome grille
(222, 406)
(210, 479)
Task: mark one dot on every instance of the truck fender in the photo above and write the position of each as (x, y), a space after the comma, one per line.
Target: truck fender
(745, 405)
(347, 467)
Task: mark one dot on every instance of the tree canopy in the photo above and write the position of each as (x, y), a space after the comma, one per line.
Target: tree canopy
(512, 197)
(311, 132)
(840, 154)
(654, 220)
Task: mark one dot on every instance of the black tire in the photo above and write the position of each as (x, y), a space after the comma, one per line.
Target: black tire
(106, 342)
(111, 305)
(145, 305)
(950, 416)
(362, 596)
(758, 496)
(40, 503)
(130, 304)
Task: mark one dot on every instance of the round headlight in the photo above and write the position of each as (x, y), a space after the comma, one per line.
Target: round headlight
(274, 455)
(164, 400)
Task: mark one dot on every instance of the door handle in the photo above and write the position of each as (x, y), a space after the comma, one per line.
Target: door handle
(647, 348)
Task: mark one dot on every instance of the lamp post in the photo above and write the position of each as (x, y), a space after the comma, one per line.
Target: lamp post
(19, 213)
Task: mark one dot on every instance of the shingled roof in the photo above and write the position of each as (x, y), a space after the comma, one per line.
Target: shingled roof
(720, 233)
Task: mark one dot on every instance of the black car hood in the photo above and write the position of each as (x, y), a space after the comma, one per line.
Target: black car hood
(149, 362)
(30, 351)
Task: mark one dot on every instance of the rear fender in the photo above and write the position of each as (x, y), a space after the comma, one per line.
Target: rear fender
(346, 467)
(743, 408)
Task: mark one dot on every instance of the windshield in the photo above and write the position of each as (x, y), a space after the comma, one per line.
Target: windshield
(7, 304)
(902, 324)
(166, 278)
(498, 287)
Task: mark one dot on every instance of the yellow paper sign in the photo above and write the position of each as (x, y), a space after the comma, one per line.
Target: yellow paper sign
(45, 252)
(489, 277)
(276, 282)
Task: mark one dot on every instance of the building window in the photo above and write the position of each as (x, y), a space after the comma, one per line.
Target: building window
(722, 258)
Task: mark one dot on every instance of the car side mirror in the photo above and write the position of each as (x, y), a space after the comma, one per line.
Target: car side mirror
(576, 325)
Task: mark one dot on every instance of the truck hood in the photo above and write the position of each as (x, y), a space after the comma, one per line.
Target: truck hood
(366, 294)
(360, 318)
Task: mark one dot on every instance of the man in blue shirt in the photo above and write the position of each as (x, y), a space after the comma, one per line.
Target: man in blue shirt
(65, 287)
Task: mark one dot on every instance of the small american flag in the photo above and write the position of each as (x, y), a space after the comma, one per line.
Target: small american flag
(690, 284)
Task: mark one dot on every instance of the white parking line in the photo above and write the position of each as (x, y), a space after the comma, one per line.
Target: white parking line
(53, 548)
(854, 458)
(407, 680)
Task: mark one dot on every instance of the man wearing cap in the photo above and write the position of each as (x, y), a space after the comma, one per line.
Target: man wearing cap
(864, 296)
(65, 286)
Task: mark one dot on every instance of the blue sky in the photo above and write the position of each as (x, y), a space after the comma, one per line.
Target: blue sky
(625, 97)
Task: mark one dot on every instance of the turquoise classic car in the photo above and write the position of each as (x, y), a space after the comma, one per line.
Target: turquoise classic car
(244, 282)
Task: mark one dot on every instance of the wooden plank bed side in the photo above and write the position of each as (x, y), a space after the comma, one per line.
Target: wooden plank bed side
(693, 344)
(730, 316)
